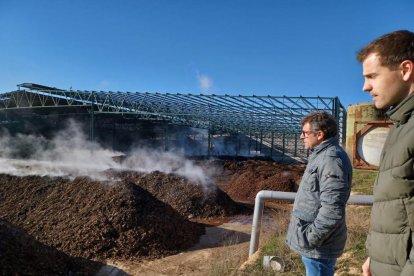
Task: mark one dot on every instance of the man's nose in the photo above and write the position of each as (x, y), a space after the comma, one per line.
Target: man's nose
(367, 87)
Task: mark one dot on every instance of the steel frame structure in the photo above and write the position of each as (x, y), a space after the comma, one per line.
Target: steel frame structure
(266, 118)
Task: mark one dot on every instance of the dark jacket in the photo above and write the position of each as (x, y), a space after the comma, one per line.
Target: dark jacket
(317, 228)
(390, 240)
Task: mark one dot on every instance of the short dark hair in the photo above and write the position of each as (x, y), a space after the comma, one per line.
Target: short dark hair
(322, 121)
(392, 48)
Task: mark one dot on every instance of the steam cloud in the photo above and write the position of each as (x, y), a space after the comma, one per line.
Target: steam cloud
(205, 82)
(145, 160)
(71, 154)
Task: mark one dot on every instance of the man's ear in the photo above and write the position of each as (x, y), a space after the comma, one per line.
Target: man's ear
(407, 70)
(320, 135)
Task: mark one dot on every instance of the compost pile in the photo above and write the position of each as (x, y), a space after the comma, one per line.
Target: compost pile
(247, 178)
(188, 199)
(94, 220)
(21, 254)
(71, 226)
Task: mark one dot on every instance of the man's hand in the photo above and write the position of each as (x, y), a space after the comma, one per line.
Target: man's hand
(365, 268)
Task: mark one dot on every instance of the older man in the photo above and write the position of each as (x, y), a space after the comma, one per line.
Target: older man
(317, 230)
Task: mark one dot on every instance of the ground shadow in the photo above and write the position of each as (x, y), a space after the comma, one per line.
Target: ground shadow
(22, 254)
(217, 236)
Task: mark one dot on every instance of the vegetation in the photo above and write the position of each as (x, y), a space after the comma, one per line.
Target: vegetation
(363, 182)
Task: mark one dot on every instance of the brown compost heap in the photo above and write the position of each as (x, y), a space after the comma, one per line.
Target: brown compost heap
(73, 225)
(247, 178)
(21, 254)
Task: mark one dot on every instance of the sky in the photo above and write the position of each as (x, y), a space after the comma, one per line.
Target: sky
(234, 47)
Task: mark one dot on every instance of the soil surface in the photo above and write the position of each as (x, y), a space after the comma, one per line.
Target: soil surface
(61, 226)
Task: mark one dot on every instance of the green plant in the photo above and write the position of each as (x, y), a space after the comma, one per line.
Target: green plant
(363, 182)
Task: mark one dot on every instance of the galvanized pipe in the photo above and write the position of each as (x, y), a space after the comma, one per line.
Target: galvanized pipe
(266, 195)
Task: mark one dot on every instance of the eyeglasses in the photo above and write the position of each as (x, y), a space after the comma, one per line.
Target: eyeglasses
(306, 133)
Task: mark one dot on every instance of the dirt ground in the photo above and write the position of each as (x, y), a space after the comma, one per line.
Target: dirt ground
(141, 223)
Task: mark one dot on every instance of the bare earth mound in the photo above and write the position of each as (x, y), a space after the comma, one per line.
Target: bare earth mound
(250, 177)
(188, 199)
(94, 220)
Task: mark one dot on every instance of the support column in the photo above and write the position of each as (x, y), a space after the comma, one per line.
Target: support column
(272, 143)
(92, 119)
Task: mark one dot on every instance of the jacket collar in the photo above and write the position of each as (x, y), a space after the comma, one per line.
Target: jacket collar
(326, 143)
(402, 112)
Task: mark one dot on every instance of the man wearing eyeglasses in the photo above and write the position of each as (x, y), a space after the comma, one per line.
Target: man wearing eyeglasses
(317, 230)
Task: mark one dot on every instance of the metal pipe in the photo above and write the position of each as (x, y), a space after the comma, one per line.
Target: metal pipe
(361, 199)
(265, 195)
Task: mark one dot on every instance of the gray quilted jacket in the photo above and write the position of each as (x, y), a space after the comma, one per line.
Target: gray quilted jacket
(317, 228)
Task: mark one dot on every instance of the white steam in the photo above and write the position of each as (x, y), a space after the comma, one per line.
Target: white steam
(205, 82)
(71, 154)
(148, 160)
